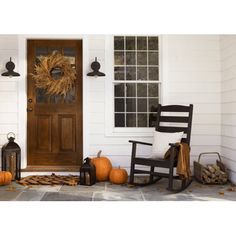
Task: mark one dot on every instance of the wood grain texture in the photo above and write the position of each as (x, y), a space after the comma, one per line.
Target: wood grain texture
(54, 126)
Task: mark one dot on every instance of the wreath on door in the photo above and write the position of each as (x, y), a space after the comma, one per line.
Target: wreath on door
(54, 74)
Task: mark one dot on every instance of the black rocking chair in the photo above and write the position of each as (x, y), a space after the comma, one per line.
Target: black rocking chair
(172, 112)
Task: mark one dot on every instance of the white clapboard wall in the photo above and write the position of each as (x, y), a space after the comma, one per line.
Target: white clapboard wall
(9, 105)
(193, 75)
(228, 91)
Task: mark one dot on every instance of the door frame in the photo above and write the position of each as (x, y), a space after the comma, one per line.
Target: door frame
(22, 89)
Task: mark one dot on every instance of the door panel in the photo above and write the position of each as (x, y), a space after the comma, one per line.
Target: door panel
(66, 129)
(43, 133)
(54, 123)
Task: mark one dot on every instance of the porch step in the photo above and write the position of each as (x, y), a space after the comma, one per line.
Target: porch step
(51, 169)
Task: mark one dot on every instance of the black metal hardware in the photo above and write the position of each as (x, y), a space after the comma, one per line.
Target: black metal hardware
(95, 67)
(10, 66)
(30, 100)
(30, 109)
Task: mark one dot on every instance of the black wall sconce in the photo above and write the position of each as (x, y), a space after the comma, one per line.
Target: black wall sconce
(10, 66)
(95, 67)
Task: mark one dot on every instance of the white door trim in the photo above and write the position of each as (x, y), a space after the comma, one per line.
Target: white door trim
(22, 90)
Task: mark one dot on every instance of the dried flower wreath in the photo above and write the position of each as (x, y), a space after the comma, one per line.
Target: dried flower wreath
(44, 78)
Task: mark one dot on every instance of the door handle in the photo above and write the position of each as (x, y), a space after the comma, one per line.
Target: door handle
(30, 109)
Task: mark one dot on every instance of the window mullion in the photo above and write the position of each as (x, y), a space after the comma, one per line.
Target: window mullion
(148, 114)
(136, 78)
(125, 97)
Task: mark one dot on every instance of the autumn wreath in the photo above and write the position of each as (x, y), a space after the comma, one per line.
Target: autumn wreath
(44, 78)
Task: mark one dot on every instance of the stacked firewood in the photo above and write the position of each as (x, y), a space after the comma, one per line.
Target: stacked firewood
(212, 174)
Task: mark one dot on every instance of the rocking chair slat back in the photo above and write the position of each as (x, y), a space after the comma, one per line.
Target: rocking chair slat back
(172, 129)
(175, 120)
(175, 108)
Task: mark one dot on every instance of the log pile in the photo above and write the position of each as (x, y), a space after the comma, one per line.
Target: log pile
(212, 174)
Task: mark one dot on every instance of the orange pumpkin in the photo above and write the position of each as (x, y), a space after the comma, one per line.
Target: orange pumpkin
(5, 177)
(103, 167)
(118, 176)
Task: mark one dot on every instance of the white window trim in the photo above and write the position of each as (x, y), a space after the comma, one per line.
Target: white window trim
(110, 130)
(22, 90)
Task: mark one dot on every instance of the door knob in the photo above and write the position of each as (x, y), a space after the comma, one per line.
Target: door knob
(30, 109)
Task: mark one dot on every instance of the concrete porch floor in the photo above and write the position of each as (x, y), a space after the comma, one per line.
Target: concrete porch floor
(105, 191)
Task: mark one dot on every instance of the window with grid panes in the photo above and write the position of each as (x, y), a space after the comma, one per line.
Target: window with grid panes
(136, 80)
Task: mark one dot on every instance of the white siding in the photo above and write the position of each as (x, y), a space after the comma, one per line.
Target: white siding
(191, 74)
(228, 86)
(8, 88)
(194, 77)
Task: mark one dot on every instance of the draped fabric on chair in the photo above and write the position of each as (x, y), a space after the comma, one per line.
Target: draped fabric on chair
(170, 119)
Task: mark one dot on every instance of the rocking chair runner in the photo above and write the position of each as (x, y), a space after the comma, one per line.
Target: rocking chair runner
(171, 162)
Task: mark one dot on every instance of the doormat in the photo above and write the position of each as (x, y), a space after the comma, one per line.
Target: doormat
(53, 179)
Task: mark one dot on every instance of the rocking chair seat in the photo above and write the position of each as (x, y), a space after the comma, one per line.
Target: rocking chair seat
(156, 162)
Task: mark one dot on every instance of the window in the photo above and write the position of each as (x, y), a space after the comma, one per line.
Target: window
(136, 80)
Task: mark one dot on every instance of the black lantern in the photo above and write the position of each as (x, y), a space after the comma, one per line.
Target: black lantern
(11, 157)
(87, 173)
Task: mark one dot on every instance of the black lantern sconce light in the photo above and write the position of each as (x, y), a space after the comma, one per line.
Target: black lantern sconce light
(87, 173)
(95, 67)
(11, 157)
(10, 66)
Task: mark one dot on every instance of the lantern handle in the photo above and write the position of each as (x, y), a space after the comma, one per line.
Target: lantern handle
(11, 135)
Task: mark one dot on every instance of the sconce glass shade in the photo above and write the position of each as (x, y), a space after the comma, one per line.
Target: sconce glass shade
(10, 66)
(95, 67)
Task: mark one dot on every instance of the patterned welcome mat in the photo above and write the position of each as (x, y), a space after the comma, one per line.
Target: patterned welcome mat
(53, 179)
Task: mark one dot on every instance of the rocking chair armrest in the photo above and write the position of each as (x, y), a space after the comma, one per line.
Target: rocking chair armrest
(138, 142)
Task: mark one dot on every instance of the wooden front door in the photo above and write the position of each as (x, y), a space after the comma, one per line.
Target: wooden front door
(54, 123)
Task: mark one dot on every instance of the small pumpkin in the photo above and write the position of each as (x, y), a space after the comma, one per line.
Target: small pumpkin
(118, 176)
(103, 167)
(5, 177)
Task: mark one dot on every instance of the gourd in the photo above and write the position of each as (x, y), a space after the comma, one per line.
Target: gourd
(118, 176)
(5, 177)
(103, 167)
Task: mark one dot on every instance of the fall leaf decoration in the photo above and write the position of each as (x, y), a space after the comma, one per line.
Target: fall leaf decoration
(43, 74)
(231, 189)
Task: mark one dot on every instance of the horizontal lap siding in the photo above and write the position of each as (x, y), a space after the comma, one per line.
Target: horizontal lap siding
(193, 69)
(8, 88)
(117, 148)
(228, 128)
(194, 77)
